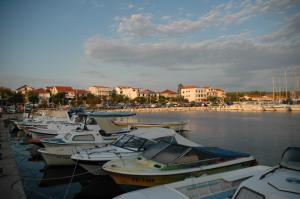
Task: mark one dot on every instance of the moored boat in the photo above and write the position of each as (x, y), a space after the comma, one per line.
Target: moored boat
(295, 107)
(58, 150)
(128, 145)
(177, 126)
(282, 181)
(218, 186)
(167, 162)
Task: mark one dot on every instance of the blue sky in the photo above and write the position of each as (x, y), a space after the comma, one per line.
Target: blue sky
(236, 45)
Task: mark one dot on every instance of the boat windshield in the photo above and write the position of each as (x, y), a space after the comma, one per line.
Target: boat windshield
(165, 153)
(291, 158)
(132, 142)
(67, 136)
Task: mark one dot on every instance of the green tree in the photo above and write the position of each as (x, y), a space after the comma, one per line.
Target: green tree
(115, 98)
(5, 93)
(140, 100)
(179, 87)
(16, 98)
(59, 98)
(33, 97)
(92, 99)
(162, 100)
(214, 100)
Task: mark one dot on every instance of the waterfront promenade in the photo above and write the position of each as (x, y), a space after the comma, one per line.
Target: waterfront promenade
(10, 181)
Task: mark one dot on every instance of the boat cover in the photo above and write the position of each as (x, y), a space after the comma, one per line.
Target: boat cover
(221, 152)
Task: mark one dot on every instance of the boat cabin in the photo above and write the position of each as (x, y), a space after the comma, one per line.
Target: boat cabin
(282, 181)
(181, 156)
(134, 143)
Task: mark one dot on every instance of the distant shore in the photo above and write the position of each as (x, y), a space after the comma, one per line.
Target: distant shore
(168, 109)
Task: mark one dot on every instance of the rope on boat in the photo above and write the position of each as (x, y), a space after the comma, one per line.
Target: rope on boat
(69, 185)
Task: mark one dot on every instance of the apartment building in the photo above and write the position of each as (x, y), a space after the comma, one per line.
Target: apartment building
(200, 94)
(168, 94)
(127, 91)
(24, 89)
(100, 91)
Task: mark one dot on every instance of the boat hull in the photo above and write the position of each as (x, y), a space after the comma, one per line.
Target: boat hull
(134, 182)
(38, 136)
(61, 156)
(57, 160)
(93, 167)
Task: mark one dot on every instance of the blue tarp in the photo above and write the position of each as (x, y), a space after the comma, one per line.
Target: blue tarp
(221, 152)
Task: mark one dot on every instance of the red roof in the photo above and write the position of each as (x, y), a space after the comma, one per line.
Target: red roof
(24, 86)
(189, 86)
(168, 92)
(100, 86)
(81, 91)
(40, 91)
(64, 88)
(219, 89)
(147, 91)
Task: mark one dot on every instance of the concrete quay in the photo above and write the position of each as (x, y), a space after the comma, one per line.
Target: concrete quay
(10, 181)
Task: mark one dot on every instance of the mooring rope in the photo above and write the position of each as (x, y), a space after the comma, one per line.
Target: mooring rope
(69, 185)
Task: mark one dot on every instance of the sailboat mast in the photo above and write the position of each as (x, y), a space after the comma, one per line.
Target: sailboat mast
(286, 93)
(273, 88)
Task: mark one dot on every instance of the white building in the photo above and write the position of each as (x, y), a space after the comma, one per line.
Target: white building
(148, 94)
(24, 89)
(68, 90)
(101, 91)
(129, 92)
(199, 94)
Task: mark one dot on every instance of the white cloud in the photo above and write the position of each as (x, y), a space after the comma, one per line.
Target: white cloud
(137, 24)
(290, 33)
(229, 53)
(131, 6)
(229, 13)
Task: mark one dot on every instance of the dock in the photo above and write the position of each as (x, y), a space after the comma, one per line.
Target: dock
(11, 186)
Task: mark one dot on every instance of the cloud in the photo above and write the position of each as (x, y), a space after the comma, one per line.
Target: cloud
(229, 53)
(131, 6)
(224, 14)
(290, 33)
(137, 24)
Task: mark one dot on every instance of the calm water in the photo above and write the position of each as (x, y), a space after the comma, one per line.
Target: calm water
(264, 135)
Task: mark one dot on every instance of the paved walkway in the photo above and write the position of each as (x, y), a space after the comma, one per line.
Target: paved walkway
(10, 182)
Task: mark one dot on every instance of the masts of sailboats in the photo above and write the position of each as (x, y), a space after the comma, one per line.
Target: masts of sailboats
(286, 92)
(273, 88)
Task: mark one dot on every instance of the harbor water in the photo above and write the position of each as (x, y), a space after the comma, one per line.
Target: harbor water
(263, 134)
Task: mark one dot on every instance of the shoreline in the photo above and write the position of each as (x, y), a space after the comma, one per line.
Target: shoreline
(60, 112)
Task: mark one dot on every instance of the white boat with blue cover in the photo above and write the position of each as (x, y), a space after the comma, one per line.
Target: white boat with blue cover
(217, 186)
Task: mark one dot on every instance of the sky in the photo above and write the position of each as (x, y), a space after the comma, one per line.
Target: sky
(155, 44)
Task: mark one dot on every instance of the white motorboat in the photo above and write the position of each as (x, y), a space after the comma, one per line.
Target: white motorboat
(217, 186)
(282, 181)
(295, 107)
(128, 145)
(59, 149)
(54, 129)
(43, 122)
(66, 144)
(177, 126)
(281, 107)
